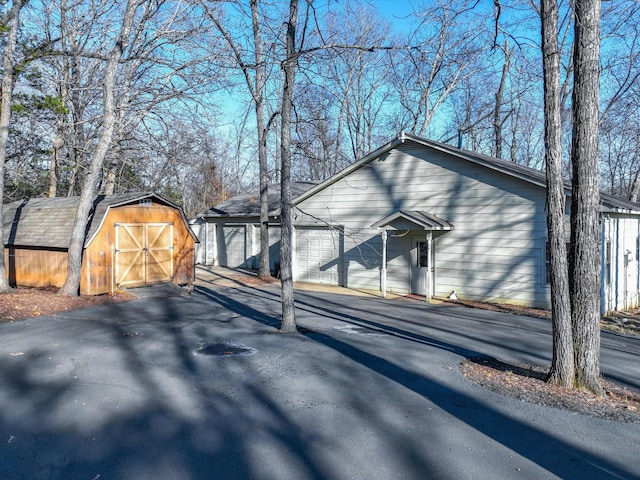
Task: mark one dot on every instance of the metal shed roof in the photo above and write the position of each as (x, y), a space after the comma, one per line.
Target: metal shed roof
(48, 222)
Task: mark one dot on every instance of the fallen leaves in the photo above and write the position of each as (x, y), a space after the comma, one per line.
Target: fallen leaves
(527, 383)
(36, 302)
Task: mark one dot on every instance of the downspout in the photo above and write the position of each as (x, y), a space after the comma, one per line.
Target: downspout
(383, 278)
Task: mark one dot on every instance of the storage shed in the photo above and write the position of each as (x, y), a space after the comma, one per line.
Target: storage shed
(132, 239)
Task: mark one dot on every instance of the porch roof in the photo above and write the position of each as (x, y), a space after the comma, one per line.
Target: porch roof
(412, 220)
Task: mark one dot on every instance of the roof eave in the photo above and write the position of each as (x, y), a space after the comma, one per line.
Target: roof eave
(347, 171)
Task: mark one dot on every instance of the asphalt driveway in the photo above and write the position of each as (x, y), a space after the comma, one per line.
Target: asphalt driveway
(202, 387)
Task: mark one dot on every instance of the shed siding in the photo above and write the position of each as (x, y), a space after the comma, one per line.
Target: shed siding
(496, 219)
(35, 268)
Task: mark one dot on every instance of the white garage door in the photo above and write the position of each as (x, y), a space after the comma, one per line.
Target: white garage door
(318, 255)
(233, 247)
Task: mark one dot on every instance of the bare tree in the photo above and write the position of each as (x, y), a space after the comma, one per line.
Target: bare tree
(289, 66)
(498, 120)
(72, 283)
(444, 49)
(562, 368)
(8, 63)
(585, 200)
(253, 71)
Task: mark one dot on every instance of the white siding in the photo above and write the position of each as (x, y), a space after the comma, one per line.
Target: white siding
(620, 282)
(198, 229)
(493, 253)
(206, 253)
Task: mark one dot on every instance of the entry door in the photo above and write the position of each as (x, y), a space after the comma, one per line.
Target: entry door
(143, 253)
(421, 256)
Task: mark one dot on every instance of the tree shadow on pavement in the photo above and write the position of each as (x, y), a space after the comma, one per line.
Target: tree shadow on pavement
(544, 449)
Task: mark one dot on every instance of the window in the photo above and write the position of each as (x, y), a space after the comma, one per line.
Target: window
(423, 254)
(145, 202)
(607, 264)
(547, 260)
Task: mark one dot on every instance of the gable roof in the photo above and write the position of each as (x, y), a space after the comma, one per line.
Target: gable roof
(248, 204)
(609, 203)
(48, 222)
(403, 219)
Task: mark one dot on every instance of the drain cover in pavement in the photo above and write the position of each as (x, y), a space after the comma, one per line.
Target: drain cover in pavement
(224, 349)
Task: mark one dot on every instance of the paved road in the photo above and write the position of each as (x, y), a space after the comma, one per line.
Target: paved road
(372, 390)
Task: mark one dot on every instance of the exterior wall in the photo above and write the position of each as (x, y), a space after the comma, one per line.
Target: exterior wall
(198, 227)
(243, 249)
(494, 253)
(98, 260)
(620, 263)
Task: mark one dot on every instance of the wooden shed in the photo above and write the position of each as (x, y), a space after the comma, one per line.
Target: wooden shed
(132, 239)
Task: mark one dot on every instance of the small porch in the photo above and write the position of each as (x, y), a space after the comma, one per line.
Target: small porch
(422, 228)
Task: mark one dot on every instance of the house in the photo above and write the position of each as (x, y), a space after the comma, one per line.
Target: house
(132, 239)
(229, 232)
(422, 217)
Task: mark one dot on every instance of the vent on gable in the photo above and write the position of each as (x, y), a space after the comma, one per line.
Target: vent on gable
(146, 202)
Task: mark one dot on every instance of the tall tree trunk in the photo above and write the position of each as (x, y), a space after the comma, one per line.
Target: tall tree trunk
(562, 367)
(497, 117)
(71, 286)
(264, 270)
(286, 245)
(256, 85)
(8, 62)
(586, 238)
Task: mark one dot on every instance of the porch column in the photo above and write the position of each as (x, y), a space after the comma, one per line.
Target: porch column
(383, 278)
(214, 259)
(430, 268)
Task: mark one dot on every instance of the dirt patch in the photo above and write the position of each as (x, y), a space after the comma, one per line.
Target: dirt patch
(35, 302)
(527, 383)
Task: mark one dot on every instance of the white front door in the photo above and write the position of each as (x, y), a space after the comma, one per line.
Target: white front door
(421, 257)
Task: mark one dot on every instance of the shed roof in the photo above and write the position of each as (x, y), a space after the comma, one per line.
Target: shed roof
(48, 222)
(609, 203)
(248, 204)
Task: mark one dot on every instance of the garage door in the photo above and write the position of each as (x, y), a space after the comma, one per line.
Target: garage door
(233, 246)
(143, 253)
(318, 255)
